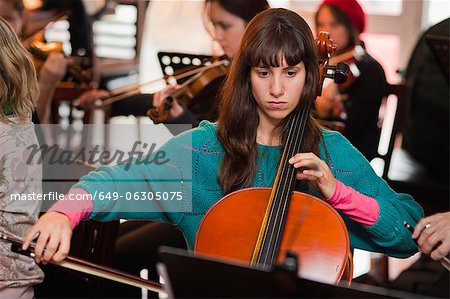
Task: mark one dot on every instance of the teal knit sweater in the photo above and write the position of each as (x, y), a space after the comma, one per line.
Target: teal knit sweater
(194, 159)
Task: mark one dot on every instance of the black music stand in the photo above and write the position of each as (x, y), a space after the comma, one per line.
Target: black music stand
(187, 276)
(177, 61)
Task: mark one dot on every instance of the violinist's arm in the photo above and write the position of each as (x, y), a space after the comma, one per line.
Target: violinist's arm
(50, 74)
(88, 98)
(324, 104)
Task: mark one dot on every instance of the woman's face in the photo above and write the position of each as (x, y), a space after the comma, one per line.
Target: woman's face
(338, 32)
(228, 28)
(11, 15)
(277, 90)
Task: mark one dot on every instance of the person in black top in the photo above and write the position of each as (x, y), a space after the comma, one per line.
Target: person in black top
(357, 102)
(426, 129)
(80, 27)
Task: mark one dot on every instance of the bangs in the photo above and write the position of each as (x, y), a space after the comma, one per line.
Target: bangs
(276, 45)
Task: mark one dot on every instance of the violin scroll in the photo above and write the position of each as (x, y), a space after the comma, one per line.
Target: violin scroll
(40, 51)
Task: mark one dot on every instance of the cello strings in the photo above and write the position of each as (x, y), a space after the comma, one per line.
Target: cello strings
(284, 192)
(267, 234)
(269, 247)
(294, 146)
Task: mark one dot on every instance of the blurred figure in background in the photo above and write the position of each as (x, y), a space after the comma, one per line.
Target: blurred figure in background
(357, 102)
(426, 130)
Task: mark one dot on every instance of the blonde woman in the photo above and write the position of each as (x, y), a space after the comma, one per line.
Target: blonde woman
(51, 72)
(19, 178)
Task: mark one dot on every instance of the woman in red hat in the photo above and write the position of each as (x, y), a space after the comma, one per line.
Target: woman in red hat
(356, 102)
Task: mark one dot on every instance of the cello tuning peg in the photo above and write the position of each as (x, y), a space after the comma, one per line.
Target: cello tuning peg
(341, 73)
(342, 66)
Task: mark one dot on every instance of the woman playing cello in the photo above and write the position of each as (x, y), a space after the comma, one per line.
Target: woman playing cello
(273, 74)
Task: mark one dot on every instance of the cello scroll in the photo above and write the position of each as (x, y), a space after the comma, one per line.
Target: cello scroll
(339, 72)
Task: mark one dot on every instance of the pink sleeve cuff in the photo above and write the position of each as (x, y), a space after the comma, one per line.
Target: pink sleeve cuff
(356, 206)
(76, 205)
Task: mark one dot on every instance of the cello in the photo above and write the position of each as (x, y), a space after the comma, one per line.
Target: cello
(258, 226)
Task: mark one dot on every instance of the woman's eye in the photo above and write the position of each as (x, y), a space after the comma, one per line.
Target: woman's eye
(291, 74)
(263, 74)
(225, 27)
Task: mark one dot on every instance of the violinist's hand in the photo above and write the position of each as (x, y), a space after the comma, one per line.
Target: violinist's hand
(433, 235)
(54, 69)
(88, 98)
(158, 99)
(316, 171)
(54, 237)
(326, 103)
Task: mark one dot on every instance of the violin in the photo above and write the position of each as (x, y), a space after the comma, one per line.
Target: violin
(86, 267)
(78, 74)
(190, 91)
(352, 58)
(80, 78)
(260, 226)
(77, 81)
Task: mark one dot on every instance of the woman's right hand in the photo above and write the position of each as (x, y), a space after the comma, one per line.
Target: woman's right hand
(158, 100)
(53, 243)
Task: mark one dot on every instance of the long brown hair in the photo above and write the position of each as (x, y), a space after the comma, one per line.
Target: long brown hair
(245, 9)
(18, 81)
(269, 34)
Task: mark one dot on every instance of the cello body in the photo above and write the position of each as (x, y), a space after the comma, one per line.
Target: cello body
(313, 230)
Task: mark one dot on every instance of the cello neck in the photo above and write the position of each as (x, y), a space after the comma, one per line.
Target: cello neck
(269, 239)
